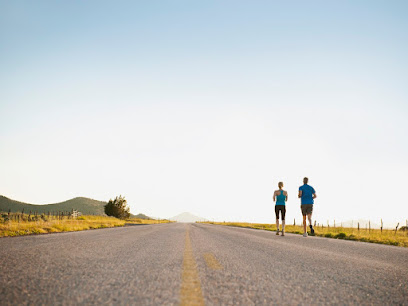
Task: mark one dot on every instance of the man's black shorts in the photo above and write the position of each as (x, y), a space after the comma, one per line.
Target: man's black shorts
(282, 209)
(307, 209)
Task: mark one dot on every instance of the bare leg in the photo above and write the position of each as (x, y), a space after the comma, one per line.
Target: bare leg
(304, 224)
(309, 217)
(283, 226)
(277, 226)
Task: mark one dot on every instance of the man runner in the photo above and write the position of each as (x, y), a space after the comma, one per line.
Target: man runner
(307, 194)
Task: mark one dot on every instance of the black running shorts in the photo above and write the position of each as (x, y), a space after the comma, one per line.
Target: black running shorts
(307, 209)
(282, 209)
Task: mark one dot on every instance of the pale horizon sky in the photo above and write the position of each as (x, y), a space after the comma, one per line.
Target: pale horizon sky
(205, 106)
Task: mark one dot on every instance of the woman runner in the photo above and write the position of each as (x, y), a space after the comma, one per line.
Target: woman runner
(280, 196)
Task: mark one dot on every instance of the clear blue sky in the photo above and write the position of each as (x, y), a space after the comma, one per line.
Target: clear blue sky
(206, 106)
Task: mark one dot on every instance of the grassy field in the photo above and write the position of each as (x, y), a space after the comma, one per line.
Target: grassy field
(146, 221)
(53, 225)
(391, 237)
(42, 224)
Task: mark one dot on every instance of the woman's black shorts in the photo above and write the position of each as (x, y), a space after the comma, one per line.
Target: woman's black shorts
(282, 209)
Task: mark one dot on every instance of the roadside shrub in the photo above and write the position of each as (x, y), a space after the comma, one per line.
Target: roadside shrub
(328, 235)
(117, 208)
(340, 236)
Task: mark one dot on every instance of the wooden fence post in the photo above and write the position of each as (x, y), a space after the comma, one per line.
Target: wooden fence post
(358, 226)
(294, 221)
(381, 226)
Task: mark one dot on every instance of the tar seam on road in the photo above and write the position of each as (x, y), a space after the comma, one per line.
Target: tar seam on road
(212, 262)
(190, 293)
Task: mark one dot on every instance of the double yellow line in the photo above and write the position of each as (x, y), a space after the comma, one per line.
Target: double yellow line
(191, 293)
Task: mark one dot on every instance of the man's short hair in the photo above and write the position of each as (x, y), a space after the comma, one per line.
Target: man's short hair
(305, 180)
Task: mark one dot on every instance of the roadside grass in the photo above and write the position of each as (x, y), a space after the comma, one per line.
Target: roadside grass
(146, 221)
(15, 228)
(390, 237)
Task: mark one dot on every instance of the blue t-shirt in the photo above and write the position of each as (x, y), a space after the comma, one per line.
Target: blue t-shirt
(307, 192)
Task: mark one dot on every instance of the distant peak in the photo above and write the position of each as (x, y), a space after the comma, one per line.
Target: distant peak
(187, 217)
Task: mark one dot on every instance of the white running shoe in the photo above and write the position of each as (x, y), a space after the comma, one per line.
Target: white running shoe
(277, 233)
(304, 234)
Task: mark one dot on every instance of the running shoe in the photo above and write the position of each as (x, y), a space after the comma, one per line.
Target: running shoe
(304, 234)
(277, 233)
(311, 230)
(283, 233)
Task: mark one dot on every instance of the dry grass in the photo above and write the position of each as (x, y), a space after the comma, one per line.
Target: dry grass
(14, 228)
(391, 237)
(145, 221)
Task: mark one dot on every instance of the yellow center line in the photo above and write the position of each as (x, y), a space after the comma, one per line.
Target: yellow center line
(190, 293)
(212, 262)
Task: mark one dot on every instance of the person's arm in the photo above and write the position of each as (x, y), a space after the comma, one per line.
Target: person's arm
(314, 196)
(300, 194)
(286, 194)
(274, 196)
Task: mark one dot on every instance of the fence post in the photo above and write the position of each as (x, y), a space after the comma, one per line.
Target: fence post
(381, 225)
(358, 226)
(294, 221)
(369, 225)
(396, 228)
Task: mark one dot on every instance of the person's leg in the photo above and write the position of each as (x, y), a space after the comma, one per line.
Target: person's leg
(283, 220)
(304, 213)
(309, 217)
(304, 223)
(277, 219)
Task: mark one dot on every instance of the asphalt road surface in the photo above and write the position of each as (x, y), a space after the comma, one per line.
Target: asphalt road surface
(172, 264)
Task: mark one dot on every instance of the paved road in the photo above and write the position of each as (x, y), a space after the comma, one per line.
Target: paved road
(205, 264)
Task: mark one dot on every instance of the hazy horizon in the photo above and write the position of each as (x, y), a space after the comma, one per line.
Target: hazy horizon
(205, 107)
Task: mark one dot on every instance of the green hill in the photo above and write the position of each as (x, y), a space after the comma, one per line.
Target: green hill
(141, 216)
(84, 205)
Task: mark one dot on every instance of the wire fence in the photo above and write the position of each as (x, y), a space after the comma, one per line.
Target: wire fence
(31, 216)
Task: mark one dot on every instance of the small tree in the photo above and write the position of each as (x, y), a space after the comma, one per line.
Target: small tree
(118, 208)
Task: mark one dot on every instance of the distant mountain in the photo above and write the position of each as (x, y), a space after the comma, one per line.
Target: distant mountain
(187, 217)
(141, 216)
(85, 205)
